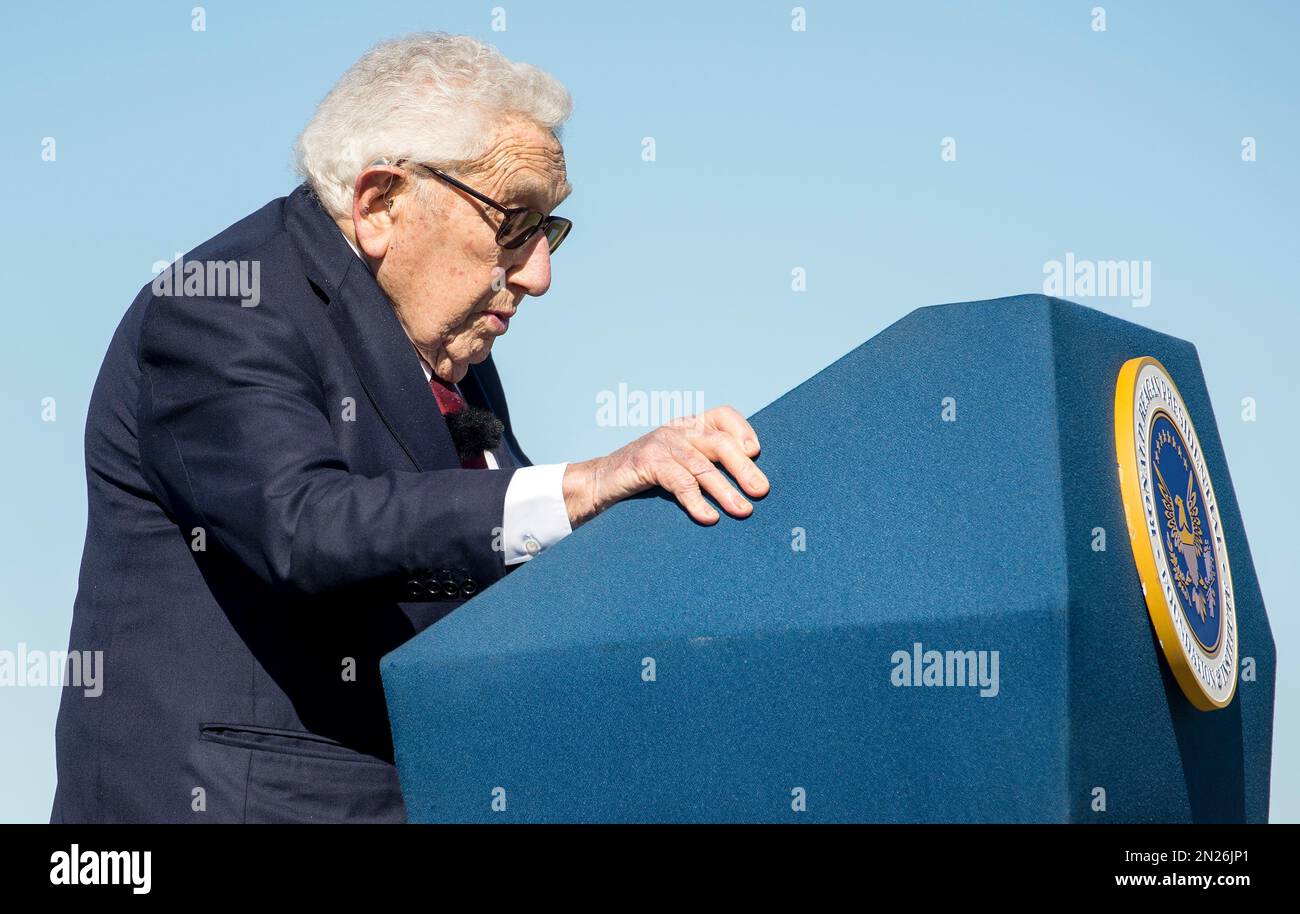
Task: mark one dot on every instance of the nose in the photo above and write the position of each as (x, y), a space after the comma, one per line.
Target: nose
(533, 273)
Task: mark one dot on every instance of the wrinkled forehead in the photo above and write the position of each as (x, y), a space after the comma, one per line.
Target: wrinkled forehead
(525, 161)
(534, 191)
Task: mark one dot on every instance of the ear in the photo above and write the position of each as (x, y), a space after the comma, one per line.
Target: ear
(373, 196)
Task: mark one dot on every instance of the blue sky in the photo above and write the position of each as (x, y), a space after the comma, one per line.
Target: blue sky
(775, 150)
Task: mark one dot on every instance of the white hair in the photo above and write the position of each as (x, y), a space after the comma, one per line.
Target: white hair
(429, 97)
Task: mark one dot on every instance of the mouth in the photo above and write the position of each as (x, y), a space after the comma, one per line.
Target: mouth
(500, 320)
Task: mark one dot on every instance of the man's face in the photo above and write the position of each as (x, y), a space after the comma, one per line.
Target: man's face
(453, 287)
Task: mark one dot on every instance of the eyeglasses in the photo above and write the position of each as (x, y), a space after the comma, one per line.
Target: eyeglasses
(520, 223)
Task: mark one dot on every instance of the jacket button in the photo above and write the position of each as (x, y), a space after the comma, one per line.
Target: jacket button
(469, 588)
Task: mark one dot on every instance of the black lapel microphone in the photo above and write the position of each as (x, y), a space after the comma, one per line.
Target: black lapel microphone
(473, 431)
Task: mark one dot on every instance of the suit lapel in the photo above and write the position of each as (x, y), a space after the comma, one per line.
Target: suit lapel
(390, 370)
(385, 361)
(481, 387)
(471, 388)
(486, 386)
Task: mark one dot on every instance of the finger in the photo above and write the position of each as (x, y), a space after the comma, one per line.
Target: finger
(720, 447)
(726, 419)
(710, 479)
(681, 483)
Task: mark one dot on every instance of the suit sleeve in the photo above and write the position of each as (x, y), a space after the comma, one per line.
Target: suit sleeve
(235, 438)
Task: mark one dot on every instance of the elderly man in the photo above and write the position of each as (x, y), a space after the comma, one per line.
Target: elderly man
(285, 486)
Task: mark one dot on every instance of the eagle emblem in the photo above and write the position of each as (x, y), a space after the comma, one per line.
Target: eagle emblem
(1176, 533)
(1191, 559)
(1182, 532)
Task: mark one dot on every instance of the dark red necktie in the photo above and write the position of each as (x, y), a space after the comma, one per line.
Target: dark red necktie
(450, 401)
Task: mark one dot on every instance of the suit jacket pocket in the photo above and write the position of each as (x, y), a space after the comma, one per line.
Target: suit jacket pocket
(293, 742)
(295, 776)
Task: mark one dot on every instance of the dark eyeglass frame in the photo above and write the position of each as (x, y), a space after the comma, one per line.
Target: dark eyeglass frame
(520, 224)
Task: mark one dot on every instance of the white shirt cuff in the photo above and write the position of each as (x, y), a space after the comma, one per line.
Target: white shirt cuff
(535, 516)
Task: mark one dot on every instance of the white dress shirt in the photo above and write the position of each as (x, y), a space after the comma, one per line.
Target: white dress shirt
(535, 515)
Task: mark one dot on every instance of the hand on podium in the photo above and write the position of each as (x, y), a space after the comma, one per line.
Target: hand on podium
(682, 457)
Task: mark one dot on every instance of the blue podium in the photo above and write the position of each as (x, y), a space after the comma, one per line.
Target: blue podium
(935, 616)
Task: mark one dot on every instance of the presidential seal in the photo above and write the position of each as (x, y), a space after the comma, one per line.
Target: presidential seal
(1176, 534)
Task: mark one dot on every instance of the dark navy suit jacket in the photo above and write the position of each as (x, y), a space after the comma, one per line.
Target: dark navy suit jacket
(274, 504)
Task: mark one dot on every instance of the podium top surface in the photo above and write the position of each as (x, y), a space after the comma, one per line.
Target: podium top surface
(926, 461)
